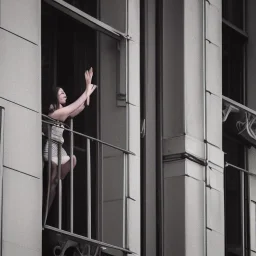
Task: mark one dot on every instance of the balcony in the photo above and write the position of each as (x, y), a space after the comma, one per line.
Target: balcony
(65, 231)
(241, 121)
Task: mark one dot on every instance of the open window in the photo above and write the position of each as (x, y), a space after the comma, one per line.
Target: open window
(73, 41)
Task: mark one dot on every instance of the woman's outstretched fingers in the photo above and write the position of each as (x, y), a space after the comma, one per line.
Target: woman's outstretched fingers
(91, 73)
(89, 76)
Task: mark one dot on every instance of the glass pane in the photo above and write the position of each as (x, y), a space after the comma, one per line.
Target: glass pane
(87, 6)
(233, 11)
(232, 65)
(103, 10)
(233, 203)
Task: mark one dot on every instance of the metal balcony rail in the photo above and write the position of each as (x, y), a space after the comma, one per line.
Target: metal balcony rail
(245, 119)
(49, 122)
(242, 120)
(236, 106)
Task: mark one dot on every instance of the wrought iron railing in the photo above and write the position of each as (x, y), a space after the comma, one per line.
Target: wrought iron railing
(82, 243)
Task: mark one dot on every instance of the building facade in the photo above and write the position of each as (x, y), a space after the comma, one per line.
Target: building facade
(165, 151)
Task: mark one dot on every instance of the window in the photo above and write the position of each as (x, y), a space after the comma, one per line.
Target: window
(103, 11)
(72, 41)
(233, 11)
(234, 87)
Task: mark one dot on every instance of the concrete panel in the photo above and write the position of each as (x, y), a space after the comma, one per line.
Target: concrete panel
(173, 69)
(134, 19)
(22, 221)
(215, 244)
(193, 69)
(113, 222)
(252, 225)
(174, 169)
(252, 160)
(10, 249)
(117, 21)
(113, 118)
(184, 221)
(134, 177)
(213, 69)
(22, 139)
(149, 179)
(215, 210)
(174, 216)
(184, 143)
(194, 217)
(216, 167)
(113, 178)
(195, 147)
(215, 179)
(21, 18)
(213, 24)
(134, 129)
(134, 75)
(183, 167)
(252, 188)
(195, 170)
(216, 3)
(174, 145)
(214, 120)
(134, 232)
(215, 155)
(19, 71)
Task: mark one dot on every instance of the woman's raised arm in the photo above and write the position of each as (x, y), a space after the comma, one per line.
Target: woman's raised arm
(63, 113)
(77, 111)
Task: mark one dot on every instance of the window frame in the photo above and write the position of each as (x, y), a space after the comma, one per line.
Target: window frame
(244, 176)
(122, 81)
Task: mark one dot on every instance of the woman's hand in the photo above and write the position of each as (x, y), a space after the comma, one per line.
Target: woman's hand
(88, 80)
(88, 76)
(90, 89)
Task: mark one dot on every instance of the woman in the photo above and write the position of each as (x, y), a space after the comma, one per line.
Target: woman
(60, 112)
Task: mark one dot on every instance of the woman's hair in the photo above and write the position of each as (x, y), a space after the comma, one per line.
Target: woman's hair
(54, 102)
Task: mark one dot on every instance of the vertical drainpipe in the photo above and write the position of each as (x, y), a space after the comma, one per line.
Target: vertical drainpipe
(205, 124)
(159, 129)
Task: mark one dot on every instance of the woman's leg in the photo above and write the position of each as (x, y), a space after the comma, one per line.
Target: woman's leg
(65, 168)
(54, 183)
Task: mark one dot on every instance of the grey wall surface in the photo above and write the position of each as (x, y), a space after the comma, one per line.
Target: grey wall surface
(120, 125)
(20, 95)
(214, 179)
(149, 178)
(194, 214)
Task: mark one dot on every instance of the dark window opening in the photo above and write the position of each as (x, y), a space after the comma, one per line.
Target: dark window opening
(68, 49)
(233, 11)
(103, 11)
(233, 50)
(236, 187)
(86, 6)
(233, 201)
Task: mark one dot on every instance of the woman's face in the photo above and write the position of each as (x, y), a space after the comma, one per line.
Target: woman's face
(62, 97)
